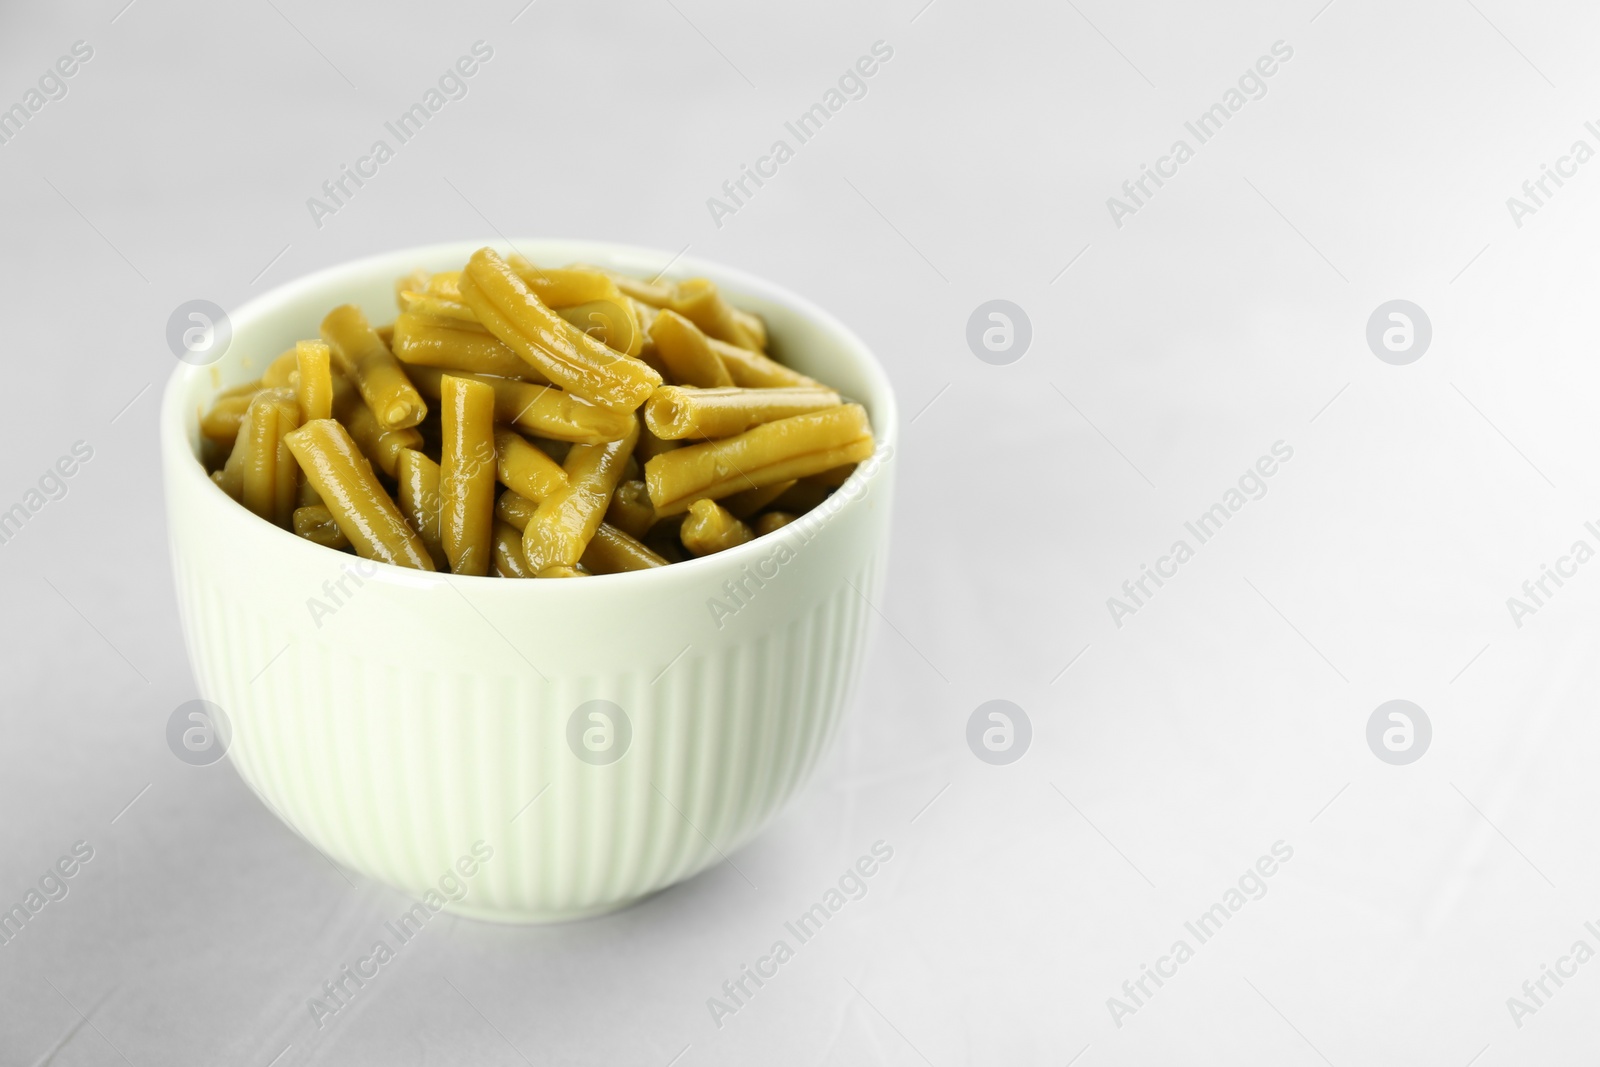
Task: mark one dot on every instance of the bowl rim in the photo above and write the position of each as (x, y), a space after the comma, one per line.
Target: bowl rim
(199, 487)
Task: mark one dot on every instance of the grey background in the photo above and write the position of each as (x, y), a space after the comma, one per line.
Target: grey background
(1230, 713)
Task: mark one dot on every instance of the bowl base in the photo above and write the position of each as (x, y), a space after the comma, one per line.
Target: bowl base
(530, 918)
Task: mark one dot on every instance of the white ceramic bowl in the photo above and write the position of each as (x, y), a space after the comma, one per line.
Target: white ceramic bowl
(407, 724)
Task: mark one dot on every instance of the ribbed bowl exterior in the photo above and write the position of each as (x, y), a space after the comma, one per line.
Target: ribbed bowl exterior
(401, 721)
(396, 771)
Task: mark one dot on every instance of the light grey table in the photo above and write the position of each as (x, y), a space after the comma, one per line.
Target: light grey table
(1180, 332)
